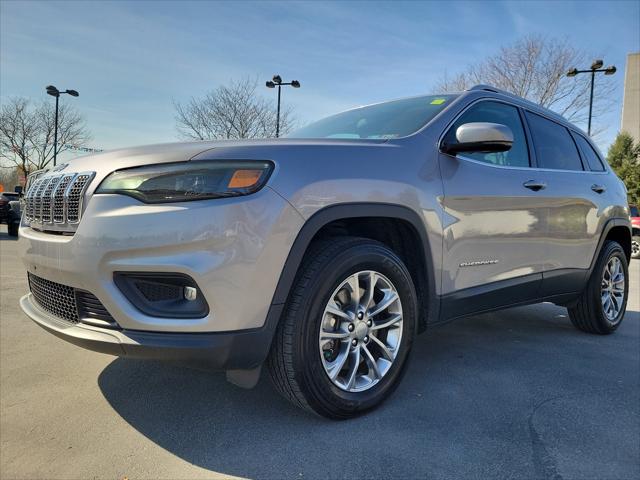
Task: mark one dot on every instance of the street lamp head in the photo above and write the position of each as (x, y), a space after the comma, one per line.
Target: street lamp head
(277, 79)
(597, 64)
(73, 93)
(572, 73)
(295, 83)
(53, 91)
(610, 70)
(270, 84)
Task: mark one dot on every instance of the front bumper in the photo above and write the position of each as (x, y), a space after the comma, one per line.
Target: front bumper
(233, 249)
(238, 350)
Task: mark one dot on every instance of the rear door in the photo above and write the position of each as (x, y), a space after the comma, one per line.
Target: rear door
(573, 198)
(495, 222)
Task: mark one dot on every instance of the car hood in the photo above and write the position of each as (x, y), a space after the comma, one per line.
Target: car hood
(266, 149)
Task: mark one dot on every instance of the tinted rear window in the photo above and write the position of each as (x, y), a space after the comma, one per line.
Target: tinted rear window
(384, 120)
(553, 143)
(589, 154)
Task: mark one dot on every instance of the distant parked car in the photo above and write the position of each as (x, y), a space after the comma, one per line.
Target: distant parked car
(13, 218)
(635, 225)
(5, 198)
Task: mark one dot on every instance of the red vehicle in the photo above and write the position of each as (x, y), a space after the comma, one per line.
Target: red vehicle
(635, 224)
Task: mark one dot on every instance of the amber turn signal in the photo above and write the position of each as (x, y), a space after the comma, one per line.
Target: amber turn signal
(244, 178)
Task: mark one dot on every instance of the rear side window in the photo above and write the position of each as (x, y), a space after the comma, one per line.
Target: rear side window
(553, 143)
(589, 154)
(495, 112)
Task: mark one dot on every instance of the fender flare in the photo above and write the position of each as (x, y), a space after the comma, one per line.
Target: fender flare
(611, 223)
(345, 211)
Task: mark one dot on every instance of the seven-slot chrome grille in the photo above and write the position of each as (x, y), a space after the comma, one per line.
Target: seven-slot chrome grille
(54, 201)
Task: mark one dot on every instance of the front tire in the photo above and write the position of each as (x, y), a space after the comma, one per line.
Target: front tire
(601, 307)
(346, 333)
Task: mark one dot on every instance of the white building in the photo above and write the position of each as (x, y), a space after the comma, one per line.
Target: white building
(631, 101)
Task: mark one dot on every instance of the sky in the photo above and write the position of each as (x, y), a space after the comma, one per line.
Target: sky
(131, 61)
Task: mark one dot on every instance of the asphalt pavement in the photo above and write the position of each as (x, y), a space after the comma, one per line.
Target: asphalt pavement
(514, 394)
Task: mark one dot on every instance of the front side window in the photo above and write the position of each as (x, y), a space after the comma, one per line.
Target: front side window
(495, 112)
(382, 121)
(589, 154)
(554, 145)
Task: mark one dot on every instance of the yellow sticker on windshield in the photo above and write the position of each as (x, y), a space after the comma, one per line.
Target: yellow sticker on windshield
(438, 101)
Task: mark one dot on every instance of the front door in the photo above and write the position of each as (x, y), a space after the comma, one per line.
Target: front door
(495, 222)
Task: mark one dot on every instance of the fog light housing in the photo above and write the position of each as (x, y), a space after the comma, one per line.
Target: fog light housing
(190, 293)
(164, 295)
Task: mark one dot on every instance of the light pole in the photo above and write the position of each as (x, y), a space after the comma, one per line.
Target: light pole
(272, 84)
(596, 67)
(54, 92)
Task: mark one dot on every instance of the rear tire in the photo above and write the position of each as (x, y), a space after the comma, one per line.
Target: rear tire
(601, 307)
(328, 363)
(635, 246)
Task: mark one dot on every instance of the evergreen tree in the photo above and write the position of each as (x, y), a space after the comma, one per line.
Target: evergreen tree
(624, 158)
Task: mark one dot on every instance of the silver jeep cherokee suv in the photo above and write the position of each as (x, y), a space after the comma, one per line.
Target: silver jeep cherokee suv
(322, 255)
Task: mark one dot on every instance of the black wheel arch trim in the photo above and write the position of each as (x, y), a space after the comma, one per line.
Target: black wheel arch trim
(345, 211)
(611, 223)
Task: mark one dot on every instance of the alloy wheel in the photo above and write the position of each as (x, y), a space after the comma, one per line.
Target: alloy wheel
(361, 331)
(612, 289)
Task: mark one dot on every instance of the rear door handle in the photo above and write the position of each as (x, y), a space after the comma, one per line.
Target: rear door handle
(598, 188)
(535, 185)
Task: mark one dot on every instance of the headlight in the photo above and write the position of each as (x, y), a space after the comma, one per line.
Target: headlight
(187, 181)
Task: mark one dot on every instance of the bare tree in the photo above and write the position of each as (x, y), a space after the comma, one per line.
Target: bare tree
(231, 111)
(10, 178)
(27, 133)
(535, 68)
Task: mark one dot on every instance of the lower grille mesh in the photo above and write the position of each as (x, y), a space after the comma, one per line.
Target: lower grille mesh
(54, 298)
(70, 304)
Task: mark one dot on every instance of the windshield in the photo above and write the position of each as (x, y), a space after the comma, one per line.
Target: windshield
(394, 119)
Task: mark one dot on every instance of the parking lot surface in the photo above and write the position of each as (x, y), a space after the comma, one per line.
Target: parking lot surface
(517, 394)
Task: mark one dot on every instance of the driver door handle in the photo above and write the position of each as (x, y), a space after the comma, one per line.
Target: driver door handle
(535, 185)
(598, 188)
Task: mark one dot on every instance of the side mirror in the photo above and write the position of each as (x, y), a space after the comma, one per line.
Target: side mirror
(480, 137)
(18, 189)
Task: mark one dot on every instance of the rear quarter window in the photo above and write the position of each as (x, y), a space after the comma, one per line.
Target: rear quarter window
(589, 154)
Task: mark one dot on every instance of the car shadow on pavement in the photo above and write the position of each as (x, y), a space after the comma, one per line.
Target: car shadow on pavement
(5, 236)
(464, 408)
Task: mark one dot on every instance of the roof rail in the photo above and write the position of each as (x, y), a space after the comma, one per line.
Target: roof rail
(485, 87)
(533, 105)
